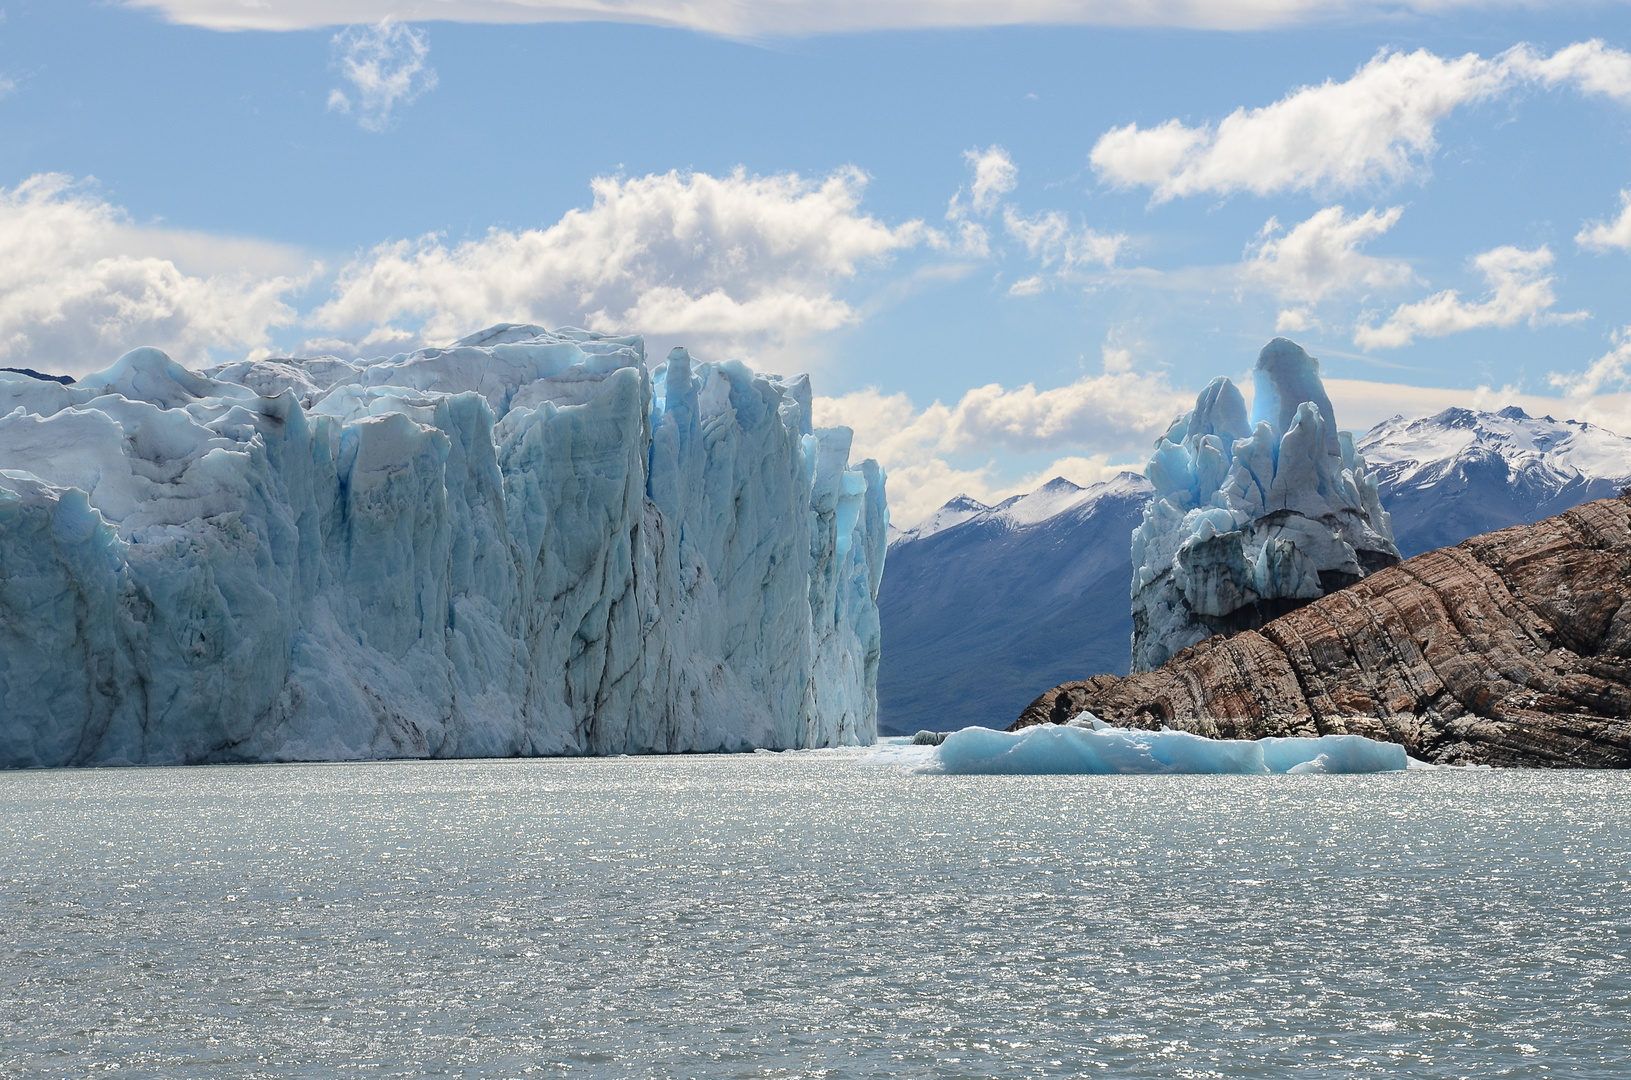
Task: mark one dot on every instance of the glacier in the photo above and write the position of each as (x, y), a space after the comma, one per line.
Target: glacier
(1251, 519)
(1087, 745)
(527, 543)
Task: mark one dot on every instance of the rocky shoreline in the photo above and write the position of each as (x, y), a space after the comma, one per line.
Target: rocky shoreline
(1509, 649)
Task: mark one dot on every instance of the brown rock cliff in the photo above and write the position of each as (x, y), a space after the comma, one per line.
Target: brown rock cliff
(1512, 648)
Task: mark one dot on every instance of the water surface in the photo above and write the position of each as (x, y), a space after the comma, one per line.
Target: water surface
(809, 915)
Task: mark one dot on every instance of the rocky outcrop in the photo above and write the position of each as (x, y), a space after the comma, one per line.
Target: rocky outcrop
(1512, 648)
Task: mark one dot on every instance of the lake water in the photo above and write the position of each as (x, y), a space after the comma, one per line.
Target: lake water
(810, 915)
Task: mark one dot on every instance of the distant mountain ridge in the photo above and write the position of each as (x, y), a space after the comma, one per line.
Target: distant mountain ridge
(983, 607)
(1462, 473)
(977, 601)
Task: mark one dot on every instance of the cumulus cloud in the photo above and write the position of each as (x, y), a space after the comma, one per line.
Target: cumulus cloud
(1321, 257)
(1376, 127)
(731, 263)
(1520, 290)
(385, 65)
(1100, 417)
(730, 17)
(80, 284)
(1605, 236)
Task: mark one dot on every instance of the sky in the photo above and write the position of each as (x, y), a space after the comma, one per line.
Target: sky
(1008, 239)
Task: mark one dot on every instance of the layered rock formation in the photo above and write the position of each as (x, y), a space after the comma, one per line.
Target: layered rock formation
(1512, 648)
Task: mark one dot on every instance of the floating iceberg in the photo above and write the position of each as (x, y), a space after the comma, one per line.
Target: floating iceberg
(526, 543)
(1251, 520)
(1088, 746)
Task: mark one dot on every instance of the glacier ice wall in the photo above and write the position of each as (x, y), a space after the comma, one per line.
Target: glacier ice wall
(1251, 519)
(525, 543)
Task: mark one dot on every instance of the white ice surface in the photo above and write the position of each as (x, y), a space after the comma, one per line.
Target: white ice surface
(525, 543)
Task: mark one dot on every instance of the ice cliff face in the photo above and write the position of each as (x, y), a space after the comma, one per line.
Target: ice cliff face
(1251, 520)
(526, 543)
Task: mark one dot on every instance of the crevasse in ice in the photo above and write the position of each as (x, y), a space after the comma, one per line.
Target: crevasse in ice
(1251, 519)
(526, 543)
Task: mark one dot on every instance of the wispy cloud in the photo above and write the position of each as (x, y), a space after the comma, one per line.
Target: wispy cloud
(1052, 240)
(796, 17)
(1056, 244)
(995, 175)
(385, 65)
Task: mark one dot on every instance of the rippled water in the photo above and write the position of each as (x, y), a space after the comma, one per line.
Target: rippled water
(810, 915)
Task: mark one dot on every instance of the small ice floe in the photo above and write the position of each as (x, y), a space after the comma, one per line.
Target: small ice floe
(1087, 745)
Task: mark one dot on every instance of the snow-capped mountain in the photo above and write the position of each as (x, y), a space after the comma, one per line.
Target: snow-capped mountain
(1444, 478)
(985, 606)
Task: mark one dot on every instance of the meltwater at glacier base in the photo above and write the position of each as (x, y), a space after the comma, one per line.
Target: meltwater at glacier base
(527, 543)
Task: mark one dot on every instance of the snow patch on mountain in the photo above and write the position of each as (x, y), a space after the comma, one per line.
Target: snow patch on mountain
(1461, 472)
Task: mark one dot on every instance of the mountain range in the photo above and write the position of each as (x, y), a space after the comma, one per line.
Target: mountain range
(983, 607)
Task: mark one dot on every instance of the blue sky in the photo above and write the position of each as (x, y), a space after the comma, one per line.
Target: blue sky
(1002, 251)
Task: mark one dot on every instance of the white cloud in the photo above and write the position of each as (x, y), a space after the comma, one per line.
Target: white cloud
(1602, 236)
(1294, 320)
(732, 263)
(1590, 66)
(736, 19)
(1051, 239)
(385, 65)
(1520, 290)
(1610, 369)
(995, 175)
(1377, 127)
(1599, 394)
(1321, 257)
(1108, 415)
(79, 284)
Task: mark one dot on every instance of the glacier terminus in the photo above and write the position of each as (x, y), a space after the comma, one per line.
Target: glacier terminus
(529, 542)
